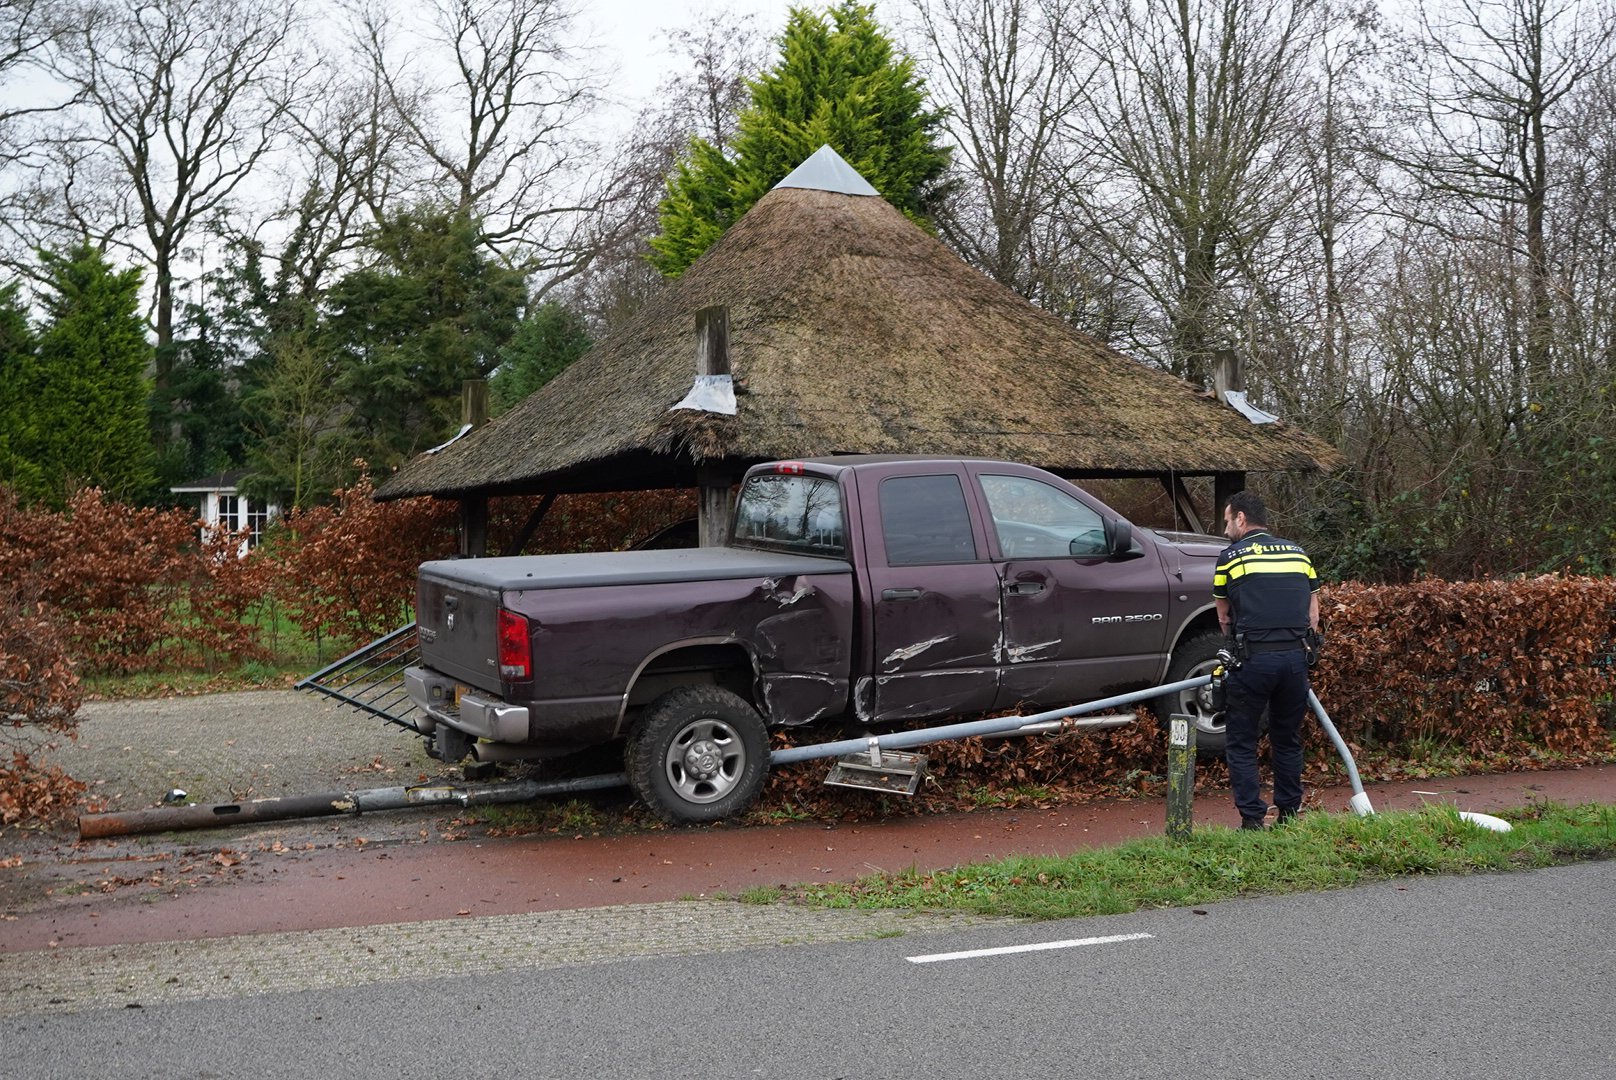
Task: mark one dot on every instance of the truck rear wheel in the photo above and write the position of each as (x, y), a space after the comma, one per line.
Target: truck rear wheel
(700, 754)
(1196, 655)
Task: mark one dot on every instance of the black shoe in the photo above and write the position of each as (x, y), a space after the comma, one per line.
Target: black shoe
(1255, 823)
(1286, 816)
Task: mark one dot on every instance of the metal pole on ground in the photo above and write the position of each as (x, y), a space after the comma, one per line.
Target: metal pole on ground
(1360, 799)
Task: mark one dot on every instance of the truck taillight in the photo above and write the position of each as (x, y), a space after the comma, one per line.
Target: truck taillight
(515, 646)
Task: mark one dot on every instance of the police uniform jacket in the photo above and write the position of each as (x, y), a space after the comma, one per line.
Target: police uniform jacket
(1268, 583)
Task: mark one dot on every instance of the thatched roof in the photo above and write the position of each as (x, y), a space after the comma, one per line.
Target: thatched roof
(850, 331)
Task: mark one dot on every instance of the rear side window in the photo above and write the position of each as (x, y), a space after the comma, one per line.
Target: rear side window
(924, 521)
(791, 513)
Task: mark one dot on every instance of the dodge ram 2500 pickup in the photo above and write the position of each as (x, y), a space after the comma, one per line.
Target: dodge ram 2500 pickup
(874, 590)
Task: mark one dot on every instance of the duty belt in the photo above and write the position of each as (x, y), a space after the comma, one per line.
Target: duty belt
(1272, 646)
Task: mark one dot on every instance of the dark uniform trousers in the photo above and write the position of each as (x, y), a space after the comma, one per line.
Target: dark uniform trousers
(1277, 680)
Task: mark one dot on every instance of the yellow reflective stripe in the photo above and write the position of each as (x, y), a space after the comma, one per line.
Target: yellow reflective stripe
(1267, 566)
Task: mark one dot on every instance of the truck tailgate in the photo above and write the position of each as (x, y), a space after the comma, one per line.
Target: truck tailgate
(456, 621)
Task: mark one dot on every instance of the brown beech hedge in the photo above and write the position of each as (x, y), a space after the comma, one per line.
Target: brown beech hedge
(1492, 666)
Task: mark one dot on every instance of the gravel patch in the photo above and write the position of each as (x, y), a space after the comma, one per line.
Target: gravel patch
(229, 748)
(232, 747)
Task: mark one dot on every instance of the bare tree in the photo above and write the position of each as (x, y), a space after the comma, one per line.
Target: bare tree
(346, 166)
(1308, 295)
(490, 95)
(1010, 77)
(1200, 119)
(703, 98)
(182, 101)
(1487, 81)
(1582, 223)
(30, 31)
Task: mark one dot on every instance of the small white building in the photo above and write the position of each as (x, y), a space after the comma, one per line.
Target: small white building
(223, 507)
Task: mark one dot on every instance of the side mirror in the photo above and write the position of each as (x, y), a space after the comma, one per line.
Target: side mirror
(1118, 536)
(1119, 540)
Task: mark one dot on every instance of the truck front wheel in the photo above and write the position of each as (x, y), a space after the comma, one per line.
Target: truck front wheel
(700, 754)
(1195, 656)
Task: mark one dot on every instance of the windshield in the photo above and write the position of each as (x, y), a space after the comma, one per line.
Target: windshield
(791, 513)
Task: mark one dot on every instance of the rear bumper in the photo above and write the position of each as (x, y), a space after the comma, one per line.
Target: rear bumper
(479, 715)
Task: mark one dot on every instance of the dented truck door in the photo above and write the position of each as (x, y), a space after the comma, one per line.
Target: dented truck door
(933, 621)
(1079, 621)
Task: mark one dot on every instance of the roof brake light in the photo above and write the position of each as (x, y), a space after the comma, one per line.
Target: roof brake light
(792, 468)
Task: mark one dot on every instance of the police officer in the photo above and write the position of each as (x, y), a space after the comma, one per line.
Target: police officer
(1267, 599)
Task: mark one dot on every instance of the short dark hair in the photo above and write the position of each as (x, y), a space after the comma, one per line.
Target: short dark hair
(1247, 503)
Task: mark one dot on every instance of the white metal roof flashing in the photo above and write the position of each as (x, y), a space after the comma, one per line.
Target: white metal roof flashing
(826, 170)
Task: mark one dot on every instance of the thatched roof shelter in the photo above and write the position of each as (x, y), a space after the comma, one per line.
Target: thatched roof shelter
(850, 330)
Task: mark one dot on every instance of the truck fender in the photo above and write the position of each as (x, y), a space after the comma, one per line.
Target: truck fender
(1202, 618)
(722, 647)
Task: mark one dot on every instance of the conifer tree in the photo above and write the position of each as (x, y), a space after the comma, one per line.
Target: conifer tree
(550, 338)
(81, 413)
(432, 310)
(838, 81)
(17, 364)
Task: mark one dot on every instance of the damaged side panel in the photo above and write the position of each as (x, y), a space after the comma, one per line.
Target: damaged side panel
(934, 642)
(884, 698)
(803, 647)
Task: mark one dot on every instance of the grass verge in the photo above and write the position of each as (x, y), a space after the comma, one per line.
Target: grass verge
(1316, 851)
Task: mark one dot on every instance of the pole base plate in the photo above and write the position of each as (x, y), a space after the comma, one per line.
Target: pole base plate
(899, 773)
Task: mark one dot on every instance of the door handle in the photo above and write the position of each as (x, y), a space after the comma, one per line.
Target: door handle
(1024, 588)
(900, 594)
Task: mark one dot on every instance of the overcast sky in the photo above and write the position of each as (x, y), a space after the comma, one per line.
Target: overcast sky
(629, 32)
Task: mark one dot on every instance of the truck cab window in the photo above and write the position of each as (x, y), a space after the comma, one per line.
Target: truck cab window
(925, 521)
(1036, 521)
(791, 513)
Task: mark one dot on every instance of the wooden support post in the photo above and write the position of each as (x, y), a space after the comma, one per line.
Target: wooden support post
(473, 526)
(713, 509)
(712, 358)
(1180, 776)
(473, 505)
(1225, 484)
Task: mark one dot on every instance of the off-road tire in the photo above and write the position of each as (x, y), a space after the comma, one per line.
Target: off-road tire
(699, 754)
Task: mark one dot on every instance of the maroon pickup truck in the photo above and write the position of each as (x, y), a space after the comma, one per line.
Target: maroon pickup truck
(873, 590)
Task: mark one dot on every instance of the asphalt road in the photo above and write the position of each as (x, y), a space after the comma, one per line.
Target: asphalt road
(1505, 975)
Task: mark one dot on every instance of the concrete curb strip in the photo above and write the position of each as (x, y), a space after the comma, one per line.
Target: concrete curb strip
(126, 976)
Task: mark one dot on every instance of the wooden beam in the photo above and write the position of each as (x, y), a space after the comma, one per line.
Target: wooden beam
(531, 525)
(712, 358)
(1183, 505)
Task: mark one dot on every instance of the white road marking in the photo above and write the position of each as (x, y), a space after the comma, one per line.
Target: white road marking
(1040, 946)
